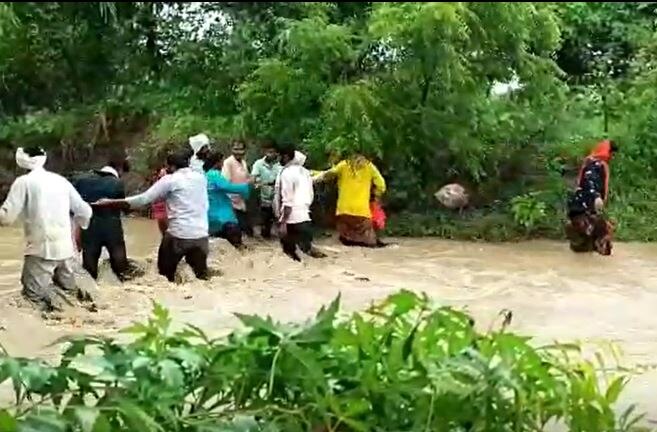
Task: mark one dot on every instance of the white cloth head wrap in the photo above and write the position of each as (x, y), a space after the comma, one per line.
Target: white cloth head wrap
(299, 159)
(197, 142)
(27, 162)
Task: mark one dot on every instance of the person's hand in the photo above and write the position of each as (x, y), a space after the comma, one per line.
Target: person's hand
(103, 202)
(282, 229)
(78, 238)
(599, 204)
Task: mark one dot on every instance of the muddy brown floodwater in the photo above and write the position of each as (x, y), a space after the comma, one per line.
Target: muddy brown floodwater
(554, 294)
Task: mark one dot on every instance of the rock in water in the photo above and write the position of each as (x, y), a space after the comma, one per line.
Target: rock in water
(453, 196)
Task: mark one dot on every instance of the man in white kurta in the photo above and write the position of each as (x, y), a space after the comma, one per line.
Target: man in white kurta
(45, 202)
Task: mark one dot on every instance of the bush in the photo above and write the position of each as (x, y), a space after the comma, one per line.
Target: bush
(403, 365)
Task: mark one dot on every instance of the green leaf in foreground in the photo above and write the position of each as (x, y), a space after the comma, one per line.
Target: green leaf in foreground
(405, 365)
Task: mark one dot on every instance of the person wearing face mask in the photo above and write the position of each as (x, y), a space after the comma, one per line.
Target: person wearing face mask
(264, 173)
(45, 202)
(106, 228)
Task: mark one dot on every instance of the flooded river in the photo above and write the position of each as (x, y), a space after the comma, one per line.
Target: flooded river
(553, 293)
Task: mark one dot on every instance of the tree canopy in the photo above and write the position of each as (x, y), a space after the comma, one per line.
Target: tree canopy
(411, 84)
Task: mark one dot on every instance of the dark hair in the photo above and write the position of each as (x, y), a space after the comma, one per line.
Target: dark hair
(287, 149)
(34, 151)
(238, 143)
(268, 143)
(613, 146)
(179, 159)
(118, 159)
(212, 160)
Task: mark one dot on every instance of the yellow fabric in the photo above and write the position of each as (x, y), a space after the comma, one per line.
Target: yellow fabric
(354, 185)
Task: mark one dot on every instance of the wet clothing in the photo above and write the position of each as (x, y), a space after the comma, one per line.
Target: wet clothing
(355, 179)
(268, 219)
(41, 278)
(589, 233)
(587, 229)
(186, 195)
(356, 231)
(220, 210)
(231, 232)
(298, 235)
(173, 250)
(236, 172)
(106, 228)
(45, 202)
(294, 190)
(244, 221)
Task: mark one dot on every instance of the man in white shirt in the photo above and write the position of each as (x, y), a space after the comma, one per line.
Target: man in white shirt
(295, 195)
(45, 202)
(185, 192)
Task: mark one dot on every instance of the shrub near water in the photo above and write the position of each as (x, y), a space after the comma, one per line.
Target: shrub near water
(401, 366)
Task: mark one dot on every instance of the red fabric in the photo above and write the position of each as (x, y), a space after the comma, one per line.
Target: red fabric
(159, 209)
(602, 151)
(378, 216)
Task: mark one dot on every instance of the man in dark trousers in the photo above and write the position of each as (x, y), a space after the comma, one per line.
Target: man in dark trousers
(106, 228)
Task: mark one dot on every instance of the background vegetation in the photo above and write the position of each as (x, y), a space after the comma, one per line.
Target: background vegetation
(416, 85)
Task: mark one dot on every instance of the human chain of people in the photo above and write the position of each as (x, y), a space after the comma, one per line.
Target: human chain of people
(199, 194)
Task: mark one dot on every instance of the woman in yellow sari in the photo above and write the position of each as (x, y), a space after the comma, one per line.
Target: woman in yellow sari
(355, 178)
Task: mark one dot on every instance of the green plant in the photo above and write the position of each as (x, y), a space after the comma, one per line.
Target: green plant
(528, 210)
(403, 365)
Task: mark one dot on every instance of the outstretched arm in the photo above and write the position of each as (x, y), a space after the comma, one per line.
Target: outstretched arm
(13, 206)
(218, 182)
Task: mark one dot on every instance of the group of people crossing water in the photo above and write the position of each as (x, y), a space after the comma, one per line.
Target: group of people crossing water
(199, 194)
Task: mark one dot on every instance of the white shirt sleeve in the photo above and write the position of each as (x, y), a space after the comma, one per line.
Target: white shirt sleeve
(288, 186)
(81, 210)
(13, 206)
(157, 192)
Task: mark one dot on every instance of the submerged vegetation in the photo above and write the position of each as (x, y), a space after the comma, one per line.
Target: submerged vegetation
(403, 365)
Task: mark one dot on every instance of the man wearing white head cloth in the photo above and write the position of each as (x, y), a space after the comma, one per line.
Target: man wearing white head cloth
(45, 202)
(200, 145)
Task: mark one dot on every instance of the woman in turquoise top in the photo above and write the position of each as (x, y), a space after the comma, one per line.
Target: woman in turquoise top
(221, 216)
